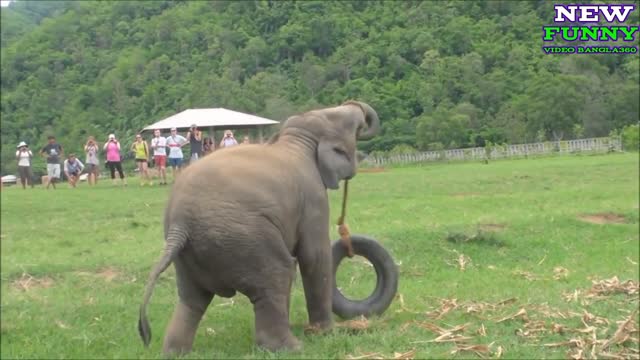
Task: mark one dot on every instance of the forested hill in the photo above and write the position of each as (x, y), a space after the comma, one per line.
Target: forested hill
(439, 73)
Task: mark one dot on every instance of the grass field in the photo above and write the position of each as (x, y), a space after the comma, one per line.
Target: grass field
(509, 257)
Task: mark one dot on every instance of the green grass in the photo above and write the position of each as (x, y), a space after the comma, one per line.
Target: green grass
(89, 251)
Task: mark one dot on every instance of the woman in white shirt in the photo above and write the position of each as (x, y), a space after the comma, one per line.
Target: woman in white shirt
(24, 155)
(228, 140)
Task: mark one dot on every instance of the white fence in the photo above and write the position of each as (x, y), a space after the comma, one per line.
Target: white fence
(593, 145)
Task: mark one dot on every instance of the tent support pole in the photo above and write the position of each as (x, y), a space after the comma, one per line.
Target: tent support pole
(212, 135)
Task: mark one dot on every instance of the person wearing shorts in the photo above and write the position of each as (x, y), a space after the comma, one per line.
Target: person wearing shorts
(91, 150)
(24, 156)
(158, 144)
(141, 151)
(53, 152)
(175, 142)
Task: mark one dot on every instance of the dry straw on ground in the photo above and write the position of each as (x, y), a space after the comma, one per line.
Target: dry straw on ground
(461, 261)
(612, 286)
(595, 338)
(26, 282)
(407, 355)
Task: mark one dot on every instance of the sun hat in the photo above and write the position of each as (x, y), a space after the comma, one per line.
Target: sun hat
(112, 136)
(22, 143)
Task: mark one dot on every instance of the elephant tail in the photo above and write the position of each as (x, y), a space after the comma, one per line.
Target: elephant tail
(176, 240)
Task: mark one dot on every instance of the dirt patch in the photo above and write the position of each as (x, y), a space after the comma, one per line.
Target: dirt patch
(603, 218)
(27, 282)
(107, 274)
(372, 170)
(492, 227)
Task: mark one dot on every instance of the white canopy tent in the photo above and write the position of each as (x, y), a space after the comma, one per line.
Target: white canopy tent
(210, 119)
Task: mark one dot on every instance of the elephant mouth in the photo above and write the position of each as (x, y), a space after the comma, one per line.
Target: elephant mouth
(349, 177)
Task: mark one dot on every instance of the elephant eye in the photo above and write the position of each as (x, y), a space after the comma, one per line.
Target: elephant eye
(340, 151)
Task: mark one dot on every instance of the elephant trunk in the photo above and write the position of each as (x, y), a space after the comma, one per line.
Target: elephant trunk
(372, 120)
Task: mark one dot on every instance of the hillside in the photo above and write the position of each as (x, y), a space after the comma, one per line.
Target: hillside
(440, 74)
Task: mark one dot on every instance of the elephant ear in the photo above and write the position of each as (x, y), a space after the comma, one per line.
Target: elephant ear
(274, 138)
(333, 164)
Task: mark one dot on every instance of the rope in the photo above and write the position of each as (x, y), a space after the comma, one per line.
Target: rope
(343, 229)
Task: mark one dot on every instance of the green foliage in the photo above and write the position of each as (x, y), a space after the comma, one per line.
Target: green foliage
(631, 137)
(402, 149)
(440, 74)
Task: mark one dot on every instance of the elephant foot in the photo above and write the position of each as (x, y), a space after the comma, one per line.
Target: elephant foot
(287, 342)
(173, 353)
(318, 328)
(272, 329)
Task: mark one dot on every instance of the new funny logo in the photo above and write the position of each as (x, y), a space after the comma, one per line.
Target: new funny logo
(578, 15)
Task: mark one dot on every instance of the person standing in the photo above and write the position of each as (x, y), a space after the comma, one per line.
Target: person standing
(195, 140)
(112, 148)
(53, 151)
(207, 146)
(159, 144)
(175, 142)
(91, 150)
(141, 151)
(72, 169)
(228, 140)
(24, 156)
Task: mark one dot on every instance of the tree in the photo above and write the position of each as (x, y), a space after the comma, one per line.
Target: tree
(439, 74)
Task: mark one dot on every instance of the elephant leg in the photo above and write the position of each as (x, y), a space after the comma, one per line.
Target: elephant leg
(317, 290)
(293, 279)
(314, 255)
(193, 302)
(272, 322)
(182, 328)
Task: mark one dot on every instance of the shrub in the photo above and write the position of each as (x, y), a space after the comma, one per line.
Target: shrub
(436, 146)
(631, 137)
(402, 149)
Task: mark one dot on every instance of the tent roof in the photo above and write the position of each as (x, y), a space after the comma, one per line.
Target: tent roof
(217, 117)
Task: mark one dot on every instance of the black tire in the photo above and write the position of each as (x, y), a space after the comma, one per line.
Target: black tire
(386, 279)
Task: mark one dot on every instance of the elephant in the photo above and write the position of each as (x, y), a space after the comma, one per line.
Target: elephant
(242, 219)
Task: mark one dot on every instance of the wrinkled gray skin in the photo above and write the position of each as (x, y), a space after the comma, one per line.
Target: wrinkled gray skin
(238, 219)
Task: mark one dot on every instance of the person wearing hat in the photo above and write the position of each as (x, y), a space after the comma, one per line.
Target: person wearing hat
(53, 151)
(24, 156)
(195, 140)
